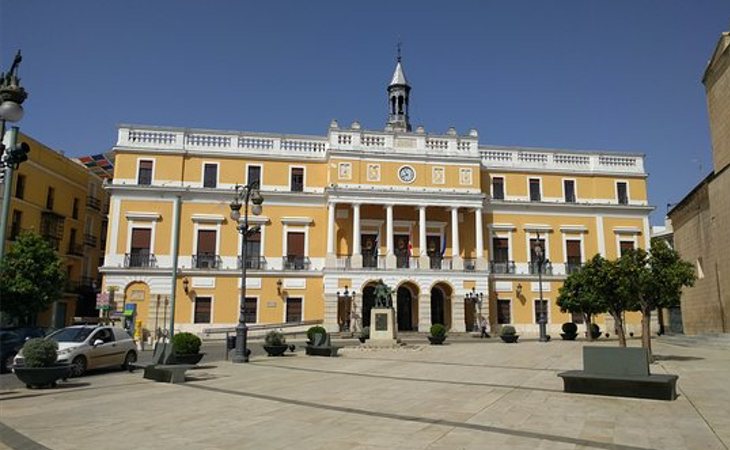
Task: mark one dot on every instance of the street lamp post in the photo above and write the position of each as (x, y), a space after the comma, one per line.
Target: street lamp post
(542, 321)
(477, 298)
(12, 96)
(351, 320)
(244, 194)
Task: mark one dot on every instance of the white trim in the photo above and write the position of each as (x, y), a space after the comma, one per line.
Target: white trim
(256, 220)
(534, 310)
(261, 174)
(292, 220)
(538, 227)
(573, 237)
(131, 224)
(142, 216)
(262, 247)
(647, 234)
(288, 229)
(212, 308)
(501, 227)
(623, 237)
(504, 185)
(304, 176)
(545, 237)
(154, 168)
(529, 196)
(628, 193)
(198, 227)
(207, 218)
(575, 189)
(217, 174)
(372, 223)
(627, 230)
(573, 229)
(600, 236)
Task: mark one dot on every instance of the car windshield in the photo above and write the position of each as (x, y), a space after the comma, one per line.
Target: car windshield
(71, 334)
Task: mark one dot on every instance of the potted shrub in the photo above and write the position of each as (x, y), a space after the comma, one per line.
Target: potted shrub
(595, 331)
(509, 334)
(39, 367)
(315, 330)
(275, 343)
(438, 334)
(570, 331)
(364, 335)
(186, 348)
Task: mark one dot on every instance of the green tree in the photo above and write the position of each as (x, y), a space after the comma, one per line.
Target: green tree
(579, 294)
(31, 278)
(653, 280)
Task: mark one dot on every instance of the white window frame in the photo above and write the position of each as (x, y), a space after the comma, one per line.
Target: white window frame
(504, 185)
(154, 169)
(146, 224)
(534, 310)
(206, 227)
(304, 178)
(575, 236)
(501, 234)
(544, 235)
(575, 189)
(529, 197)
(295, 229)
(261, 173)
(628, 192)
(511, 311)
(262, 227)
(286, 301)
(212, 308)
(217, 173)
(258, 305)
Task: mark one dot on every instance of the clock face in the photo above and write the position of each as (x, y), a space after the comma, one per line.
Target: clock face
(407, 174)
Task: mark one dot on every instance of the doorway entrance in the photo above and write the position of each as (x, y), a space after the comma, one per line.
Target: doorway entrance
(406, 310)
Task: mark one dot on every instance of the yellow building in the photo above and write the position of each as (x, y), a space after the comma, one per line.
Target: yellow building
(434, 216)
(63, 201)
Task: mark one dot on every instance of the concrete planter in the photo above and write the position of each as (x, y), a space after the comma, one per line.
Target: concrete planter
(510, 338)
(42, 376)
(193, 358)
(436, 340)
(276, 350)
(569, 336)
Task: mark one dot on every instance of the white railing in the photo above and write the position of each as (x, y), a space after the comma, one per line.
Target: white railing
(525, 159)
(229, 142)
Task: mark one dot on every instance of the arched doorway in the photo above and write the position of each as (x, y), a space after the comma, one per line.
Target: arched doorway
(407, 309)
(368, 301)
(441, 304)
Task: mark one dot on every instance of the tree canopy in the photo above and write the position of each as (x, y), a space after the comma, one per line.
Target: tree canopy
(31, 278)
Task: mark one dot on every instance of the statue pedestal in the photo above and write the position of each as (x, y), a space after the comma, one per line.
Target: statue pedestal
(382, 327)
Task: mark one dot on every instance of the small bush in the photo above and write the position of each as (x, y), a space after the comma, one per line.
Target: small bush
(365, 333)
(274, 337)
(315, 330)
(39, 352)
(595, 331)
(570, 328)
(186, 344)
(438, 330)
(508, 330)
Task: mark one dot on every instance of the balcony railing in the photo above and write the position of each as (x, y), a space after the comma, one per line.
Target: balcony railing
(93, 203)
(143, 259)
(253, 262)
(207, 261)
(344, 262)
(75, 249)
(502, 267)
(89, 282)
(470, 264)
(547, 267)
(571, 267)
(406, 262)
(90, 240)
(373, 261)
(438, 262)
(293, 262)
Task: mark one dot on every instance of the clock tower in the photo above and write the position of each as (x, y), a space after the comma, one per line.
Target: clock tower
(398, 99)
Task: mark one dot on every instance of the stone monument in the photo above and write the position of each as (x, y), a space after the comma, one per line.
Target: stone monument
(382, 317)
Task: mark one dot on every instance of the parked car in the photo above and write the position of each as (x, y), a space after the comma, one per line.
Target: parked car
(11, 341)
(91, 347)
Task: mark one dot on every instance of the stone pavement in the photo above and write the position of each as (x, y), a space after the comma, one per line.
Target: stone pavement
(464, 395)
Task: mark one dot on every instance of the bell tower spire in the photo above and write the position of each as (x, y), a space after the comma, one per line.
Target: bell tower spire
(398, 98)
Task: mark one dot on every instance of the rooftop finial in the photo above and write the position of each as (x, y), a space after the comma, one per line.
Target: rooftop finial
(399, 46)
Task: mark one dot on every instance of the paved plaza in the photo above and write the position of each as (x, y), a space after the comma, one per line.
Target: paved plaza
(479, 394)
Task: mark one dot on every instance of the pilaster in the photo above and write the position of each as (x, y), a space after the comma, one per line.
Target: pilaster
(457, 313)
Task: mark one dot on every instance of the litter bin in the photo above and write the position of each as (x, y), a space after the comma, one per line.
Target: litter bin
(231, 342)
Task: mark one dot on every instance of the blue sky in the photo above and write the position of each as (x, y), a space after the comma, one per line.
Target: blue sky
(611, 75)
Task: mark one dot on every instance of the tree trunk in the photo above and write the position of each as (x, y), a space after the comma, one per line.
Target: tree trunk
(619, 329)
(646, 330)
(587, 321)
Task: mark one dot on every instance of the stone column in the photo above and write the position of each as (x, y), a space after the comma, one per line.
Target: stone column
(330, 257)
(423, 260)
(457, 313)
(424, 312)
(356, 262)
(481, 264)
(456, 262)
(390, 261)
(330, 313)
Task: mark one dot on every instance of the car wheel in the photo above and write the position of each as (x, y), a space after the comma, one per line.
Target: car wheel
(7, 363)
(130, 359)
(78, 366)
